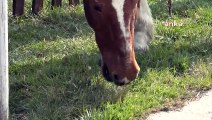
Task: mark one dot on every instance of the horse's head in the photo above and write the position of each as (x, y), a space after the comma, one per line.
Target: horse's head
(113, 22)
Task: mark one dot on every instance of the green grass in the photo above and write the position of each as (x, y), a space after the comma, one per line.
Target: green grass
(54, 72)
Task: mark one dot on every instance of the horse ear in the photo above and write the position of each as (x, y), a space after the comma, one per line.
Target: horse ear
(144, 27)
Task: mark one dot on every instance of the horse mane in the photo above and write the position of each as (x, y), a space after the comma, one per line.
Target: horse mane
(144, 27)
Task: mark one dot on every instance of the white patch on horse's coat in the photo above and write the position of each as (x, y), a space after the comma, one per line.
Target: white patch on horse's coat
(144, 27)
(118, 5)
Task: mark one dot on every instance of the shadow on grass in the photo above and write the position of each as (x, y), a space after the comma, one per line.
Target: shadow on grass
(59, 88)
(28, 29)
(67, 87)
(180, 7)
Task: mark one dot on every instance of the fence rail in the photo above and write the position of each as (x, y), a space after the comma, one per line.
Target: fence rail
(37, 5)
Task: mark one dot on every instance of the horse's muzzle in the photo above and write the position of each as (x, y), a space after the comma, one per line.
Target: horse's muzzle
(113, 77)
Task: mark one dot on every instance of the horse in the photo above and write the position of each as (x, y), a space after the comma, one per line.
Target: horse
(121, 27)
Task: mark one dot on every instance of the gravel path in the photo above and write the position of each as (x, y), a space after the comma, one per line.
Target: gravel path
(200, 109)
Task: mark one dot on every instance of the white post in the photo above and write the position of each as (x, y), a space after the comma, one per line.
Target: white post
(4, 81)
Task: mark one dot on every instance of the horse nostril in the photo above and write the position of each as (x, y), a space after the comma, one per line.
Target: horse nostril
(115, 77)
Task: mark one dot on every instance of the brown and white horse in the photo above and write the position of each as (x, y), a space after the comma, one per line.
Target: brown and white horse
(120, 26)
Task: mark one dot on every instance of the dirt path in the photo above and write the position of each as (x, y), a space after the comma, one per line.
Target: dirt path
(200, 109)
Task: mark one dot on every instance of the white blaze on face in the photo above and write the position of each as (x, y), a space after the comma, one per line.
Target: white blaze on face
(118, 5)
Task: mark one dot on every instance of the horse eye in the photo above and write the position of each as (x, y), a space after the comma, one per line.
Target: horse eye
(98, 8)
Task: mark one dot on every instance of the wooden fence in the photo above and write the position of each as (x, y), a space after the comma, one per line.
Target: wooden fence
(37, 5)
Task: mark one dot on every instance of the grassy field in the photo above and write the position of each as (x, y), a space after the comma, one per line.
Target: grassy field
(54, 72)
